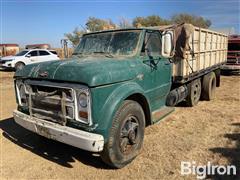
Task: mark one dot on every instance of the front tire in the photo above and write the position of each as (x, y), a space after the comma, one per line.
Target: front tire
(19, 66)
(126, 135)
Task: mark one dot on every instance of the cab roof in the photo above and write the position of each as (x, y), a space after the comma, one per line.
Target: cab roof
(131, 29)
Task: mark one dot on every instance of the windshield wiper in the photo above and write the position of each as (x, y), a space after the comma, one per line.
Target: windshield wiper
(77, 54)
(107, 54)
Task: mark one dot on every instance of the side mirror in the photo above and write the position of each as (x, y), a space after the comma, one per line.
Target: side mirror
(167, 44)
(28, 55)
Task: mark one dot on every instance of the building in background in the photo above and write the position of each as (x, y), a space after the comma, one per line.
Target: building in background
(8, 49)
(38, 46)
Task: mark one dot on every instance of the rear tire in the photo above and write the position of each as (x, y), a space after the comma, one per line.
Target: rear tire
(194, 93)
(218, 77)
(209, 86)
(19, 66)
(126, 135)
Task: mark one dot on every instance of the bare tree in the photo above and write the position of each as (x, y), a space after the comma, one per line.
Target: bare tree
(153, 20)
(74, 37)
(192, 19)
(124, 23)
(96, 24)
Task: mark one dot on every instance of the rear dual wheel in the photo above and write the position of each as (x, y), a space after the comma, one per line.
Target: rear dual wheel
(205, 90)
(194, 92)
(209, 86)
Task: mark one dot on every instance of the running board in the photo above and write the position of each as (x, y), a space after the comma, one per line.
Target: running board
(161, 113)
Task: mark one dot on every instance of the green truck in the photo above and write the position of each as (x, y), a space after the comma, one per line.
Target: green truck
(116, 83)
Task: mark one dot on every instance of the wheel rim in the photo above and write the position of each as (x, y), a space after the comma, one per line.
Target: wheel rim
(129, 135)
(196, 92)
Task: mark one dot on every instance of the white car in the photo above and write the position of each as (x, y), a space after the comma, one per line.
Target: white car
(26, 57)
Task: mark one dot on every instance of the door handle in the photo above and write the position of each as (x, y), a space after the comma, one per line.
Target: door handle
(167, 63)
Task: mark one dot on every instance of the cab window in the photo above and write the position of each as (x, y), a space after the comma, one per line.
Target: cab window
(153, 44)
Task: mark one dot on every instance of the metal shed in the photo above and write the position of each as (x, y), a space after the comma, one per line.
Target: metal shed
(8, 49)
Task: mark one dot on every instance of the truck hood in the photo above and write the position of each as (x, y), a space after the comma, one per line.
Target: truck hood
(90, 71)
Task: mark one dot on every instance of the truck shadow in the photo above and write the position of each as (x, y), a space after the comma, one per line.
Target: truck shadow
(54, 151)
(230, 73)
(232, 154)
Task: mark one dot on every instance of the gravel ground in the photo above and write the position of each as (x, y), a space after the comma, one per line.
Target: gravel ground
(208, 132)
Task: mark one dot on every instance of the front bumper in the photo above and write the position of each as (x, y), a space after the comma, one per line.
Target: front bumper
(74, 137)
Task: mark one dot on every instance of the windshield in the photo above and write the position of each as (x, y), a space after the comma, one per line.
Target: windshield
(21, 53)
(234, 46)
(118, 43)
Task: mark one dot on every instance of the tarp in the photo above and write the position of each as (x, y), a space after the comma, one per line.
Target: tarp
(182, 33)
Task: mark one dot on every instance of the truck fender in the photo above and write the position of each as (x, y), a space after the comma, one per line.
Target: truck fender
(113, 103)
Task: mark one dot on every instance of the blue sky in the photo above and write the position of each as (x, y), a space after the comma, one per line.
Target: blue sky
(26, 22)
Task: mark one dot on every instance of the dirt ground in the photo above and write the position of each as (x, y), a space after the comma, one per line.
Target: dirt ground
(208, 132)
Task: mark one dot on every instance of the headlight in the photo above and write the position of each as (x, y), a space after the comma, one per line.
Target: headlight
(83, 101)
(83, 106)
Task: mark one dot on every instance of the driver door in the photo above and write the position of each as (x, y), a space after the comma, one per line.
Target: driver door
(157, 70)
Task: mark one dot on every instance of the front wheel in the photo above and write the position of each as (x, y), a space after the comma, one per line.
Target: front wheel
(126, 135)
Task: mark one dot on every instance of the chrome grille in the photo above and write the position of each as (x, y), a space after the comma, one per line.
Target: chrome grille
(50, 103)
